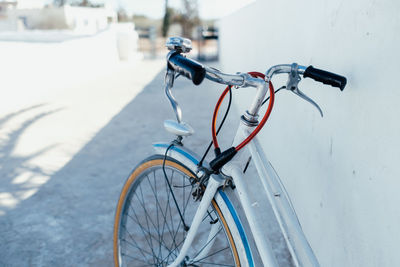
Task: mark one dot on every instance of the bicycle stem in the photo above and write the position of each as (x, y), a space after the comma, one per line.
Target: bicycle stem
(262, 88)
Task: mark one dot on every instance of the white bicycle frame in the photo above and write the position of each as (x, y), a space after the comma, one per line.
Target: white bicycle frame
(274, 192)
(301, 252)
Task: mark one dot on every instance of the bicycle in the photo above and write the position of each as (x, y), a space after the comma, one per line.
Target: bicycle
(176, 209)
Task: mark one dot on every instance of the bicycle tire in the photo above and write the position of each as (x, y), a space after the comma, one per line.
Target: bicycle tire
(140, 246)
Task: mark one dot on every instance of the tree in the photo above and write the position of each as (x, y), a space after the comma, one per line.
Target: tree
(59, 2)
(86, 3)
(188, 18)
(166, 19)
(122, 15)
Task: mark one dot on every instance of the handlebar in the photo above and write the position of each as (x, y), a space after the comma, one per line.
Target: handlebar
(196, 72)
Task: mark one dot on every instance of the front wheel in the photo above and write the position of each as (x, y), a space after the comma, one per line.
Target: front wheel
(148, 229)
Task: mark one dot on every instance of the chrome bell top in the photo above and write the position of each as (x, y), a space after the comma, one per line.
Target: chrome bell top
(179, 44)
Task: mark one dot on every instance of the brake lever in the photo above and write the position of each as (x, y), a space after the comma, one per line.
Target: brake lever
(305, 97)
(292, 85)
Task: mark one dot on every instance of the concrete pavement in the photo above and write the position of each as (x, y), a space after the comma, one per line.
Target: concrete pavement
(66, 151)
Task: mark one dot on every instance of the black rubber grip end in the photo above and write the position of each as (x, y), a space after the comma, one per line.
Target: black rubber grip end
(325, 77)
(189, 68)
(217, 163)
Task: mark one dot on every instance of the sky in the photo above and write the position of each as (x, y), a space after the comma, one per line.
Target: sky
(208, 9)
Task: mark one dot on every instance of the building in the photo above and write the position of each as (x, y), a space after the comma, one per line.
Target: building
(32, 15)
(8, 17)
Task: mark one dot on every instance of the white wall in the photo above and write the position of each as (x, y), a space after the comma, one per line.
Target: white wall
(83, 20)
(43, 18)
(342, 171)
(86, 19)
(31, 3)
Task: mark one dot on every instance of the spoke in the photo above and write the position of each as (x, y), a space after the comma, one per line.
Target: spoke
(182, 186)
(135, 220)
(212, 254)
(184, 210)
(158, 221)
(136, 246)
(140, 249)
(168, 207)
(159, 241)
(173, 251)
(166, 210)
(207, 243)
(170, 188)
(218, 264)
(136, 259)
(160, 234)
(205, 216)
(142, 228)
(164, 215)
(170, 213)
(187, 201)
(147, 222)
(180, 221)
(148, 217)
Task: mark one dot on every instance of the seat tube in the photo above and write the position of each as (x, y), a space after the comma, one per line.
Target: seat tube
(213, 184)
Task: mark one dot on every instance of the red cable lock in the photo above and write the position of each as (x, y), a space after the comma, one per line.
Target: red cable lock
(259, 126)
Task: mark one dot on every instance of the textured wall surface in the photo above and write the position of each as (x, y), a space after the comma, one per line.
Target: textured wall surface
(342, 170)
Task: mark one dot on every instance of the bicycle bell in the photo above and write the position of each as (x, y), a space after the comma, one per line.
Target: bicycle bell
(180, 44)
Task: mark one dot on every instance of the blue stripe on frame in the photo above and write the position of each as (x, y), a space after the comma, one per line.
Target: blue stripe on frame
(227, 202)
(239, 226)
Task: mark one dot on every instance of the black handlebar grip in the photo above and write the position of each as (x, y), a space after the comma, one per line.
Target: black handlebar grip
(325, 77)
(191, 69)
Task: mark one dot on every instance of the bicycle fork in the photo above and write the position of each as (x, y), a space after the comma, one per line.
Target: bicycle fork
(213, 184)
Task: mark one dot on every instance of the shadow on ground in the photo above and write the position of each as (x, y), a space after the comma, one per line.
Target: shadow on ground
(69, 221)
(15, 168)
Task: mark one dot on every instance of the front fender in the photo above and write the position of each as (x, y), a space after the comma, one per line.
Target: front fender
(187, 157)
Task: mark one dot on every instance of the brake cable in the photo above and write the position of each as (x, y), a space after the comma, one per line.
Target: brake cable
(200, 164)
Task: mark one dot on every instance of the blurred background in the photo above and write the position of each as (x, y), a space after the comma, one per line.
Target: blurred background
(141, 26)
